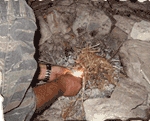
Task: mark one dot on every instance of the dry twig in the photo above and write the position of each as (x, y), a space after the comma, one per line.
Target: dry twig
(98, 72)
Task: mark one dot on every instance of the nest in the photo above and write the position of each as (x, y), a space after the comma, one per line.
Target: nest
(98, 73)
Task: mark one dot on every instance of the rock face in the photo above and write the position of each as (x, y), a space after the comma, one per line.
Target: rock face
(92, 22)
(56, 24)
(124, 23)
(129, 100)
(135, 57)
(117, 37)
(45, 31)
(141, 31)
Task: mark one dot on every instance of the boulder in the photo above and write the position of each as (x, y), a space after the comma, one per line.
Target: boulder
(124, 23)
(141, 31)
(91, 21)
(135, 58)
(56, 23)
(44, 30)
(124, 103)
(117, 37)
(65, 2)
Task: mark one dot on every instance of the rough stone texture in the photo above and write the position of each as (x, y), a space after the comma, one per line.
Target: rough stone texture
(141, 31)
(123, 104)
(65, 2)
(124, 23)
(137, 11)
(53, 50)
(135, 57)
(116, 38)
(91, 21)
(56, 23)
(45, 31)
(48, 116)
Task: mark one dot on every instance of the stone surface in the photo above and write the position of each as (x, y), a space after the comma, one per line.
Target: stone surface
(52, 51)
(49, 117)
(44, 30)
(135, 57)
(116, 38)
(124, 23)
(123, 104)
(65, 2)
(56, 23)
(141, 31)
(91, 21)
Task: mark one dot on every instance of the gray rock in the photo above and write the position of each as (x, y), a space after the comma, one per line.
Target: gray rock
(135, 57)
(92, 21)
(124, 23)
(56, 24)
(117, 37)
(141, 31)
(49, 116)
(44, 30)
(129, 91)
(124, 103)
(65, 2)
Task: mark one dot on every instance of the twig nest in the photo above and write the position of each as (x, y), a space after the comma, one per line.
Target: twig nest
(97, 70)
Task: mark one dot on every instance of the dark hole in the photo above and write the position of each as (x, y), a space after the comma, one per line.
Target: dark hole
(133, 1)
(93, 33)
(50, 4)
(128, 15)
(80, 30)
